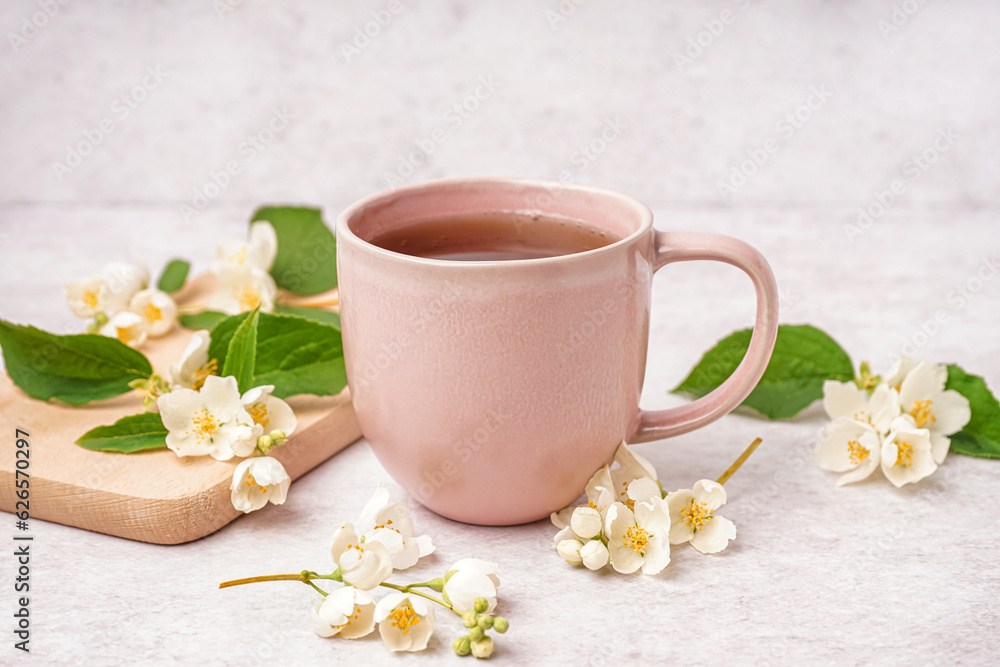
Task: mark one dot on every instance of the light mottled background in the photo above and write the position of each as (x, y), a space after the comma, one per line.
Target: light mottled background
(868, 574)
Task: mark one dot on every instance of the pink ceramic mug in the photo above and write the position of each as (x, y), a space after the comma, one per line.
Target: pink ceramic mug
(491, 391)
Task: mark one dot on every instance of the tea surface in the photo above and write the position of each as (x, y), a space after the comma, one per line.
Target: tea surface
(493, 237)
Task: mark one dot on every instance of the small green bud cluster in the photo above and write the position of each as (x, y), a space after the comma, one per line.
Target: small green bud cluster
(273, 439)
(477, 642)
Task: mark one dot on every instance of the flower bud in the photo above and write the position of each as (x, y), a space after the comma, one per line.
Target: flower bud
(100, 319)
(500, 624)
(462, 645)
(485, 622)
(594, 554)
(483, 648)
(586, 522)
(570, 551)
(469, 618)
(278, 438)
(476, 633)
(264, 443)
(481, 605)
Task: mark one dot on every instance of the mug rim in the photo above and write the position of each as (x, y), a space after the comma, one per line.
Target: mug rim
(641, 210)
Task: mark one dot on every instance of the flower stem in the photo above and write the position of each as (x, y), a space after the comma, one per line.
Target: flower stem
(410, 591)
(318, 589)
(724, 477)
(311, 303)
(304, 576)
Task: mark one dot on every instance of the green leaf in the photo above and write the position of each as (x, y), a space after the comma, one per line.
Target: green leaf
(306, 262)
(296, 355)
(981, 436)
(315, 314)
(242, 352)
(174, 275)
(74, 369)
(206, 319)
(135, 433)
(804, 357)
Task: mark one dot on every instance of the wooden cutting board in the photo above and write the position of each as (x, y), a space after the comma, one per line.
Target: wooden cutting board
(151, 496)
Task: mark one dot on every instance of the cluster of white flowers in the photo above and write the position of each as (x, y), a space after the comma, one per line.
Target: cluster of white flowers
(121, 304)
(366, 555)
(205, 415)
(243, 272)
(901, 423)
(630, 522)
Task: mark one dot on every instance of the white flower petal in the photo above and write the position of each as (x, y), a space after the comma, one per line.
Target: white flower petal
(940, 445)
(123, 280)
(951, 411)
(87, 297)
(565, 533)
(195, 355)
(562, 518)
(900, 369)
(416, 617)
(843, 445)
(257, 481)
(710, 493)
(156, 309)
(569, 550)
(470, 582)
(263, 246)
(715, 536)
(653, 515)
(907, 457)
(656, 556)
(586, 522)
(425, 546)
(676, 501)
(844, 399)
(884, 407)
(343, 538)
(643, 489)
(601, 478)
(922, 383)
(127, 327)
(221, 397)
(368, 518)
(370, 569)
(594, 555)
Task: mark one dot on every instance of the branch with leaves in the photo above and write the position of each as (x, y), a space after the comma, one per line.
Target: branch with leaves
(223, 397)
(905, 421)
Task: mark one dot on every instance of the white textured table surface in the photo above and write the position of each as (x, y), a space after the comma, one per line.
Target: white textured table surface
(861, 575)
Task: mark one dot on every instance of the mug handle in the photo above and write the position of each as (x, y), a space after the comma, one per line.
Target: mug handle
(689, 246)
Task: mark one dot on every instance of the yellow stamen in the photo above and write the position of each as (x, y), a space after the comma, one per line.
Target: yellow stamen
(239, 257)
(922, 413)
(387, 524)
(90, 298)
(904, 454)
(205, 424)
(636, 539)
(258, 412)
(404, 618)
(125, 334)
(210, 367)
(248, 297)
(250, 481)
(152, 313)
(856, 452)
(695, 515)
(353, 617)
